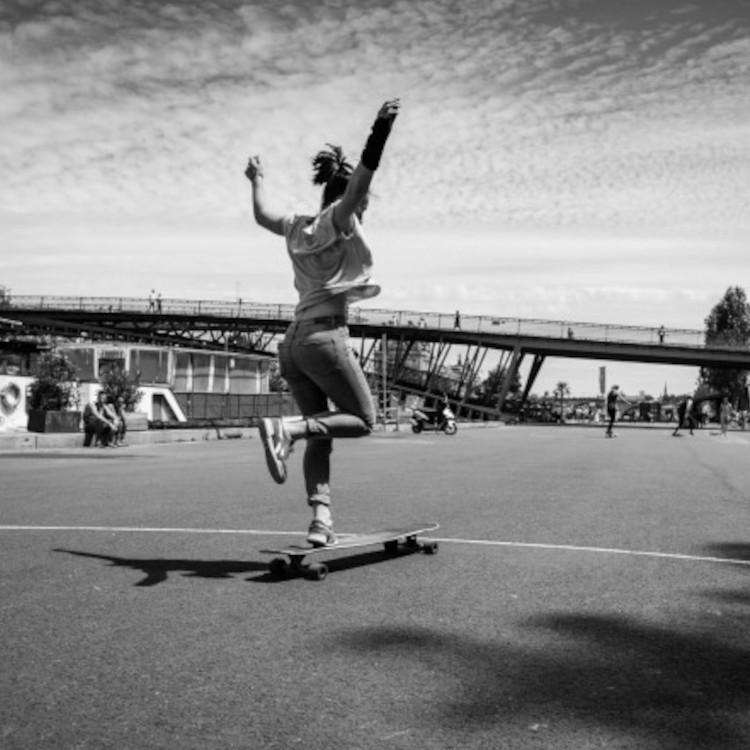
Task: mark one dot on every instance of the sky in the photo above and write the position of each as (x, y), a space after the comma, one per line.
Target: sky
(582, 160)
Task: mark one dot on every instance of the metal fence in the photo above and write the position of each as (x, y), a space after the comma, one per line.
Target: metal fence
(217, 406)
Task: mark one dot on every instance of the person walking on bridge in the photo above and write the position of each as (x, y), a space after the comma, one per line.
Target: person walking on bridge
(332, 263)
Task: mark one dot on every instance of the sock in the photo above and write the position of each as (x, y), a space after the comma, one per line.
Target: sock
(322, 513)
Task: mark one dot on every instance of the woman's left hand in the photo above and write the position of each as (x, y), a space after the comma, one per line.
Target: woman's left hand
(254, 168)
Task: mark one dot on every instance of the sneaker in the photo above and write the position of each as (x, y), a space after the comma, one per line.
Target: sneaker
(277, 445)
(320, 534)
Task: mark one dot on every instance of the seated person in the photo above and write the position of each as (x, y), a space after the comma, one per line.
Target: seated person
(122, 427)
(111, 413)
(97, 425)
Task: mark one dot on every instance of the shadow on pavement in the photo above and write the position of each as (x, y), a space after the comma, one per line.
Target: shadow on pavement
(731, 550)
(157, 570)
(656, 686)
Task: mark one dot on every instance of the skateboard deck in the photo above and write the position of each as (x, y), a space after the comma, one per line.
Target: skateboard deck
(393, 540)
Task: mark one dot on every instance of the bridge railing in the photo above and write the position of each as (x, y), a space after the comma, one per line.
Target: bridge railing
(486, 324)
(172, 306)
(532, 327)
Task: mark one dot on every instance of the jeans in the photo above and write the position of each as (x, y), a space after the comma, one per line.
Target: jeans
(319, 365)
(96, 432)
(612, 416)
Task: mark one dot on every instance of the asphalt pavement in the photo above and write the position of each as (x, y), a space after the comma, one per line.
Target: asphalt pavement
(587, 593)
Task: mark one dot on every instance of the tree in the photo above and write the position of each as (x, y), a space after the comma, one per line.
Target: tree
(54, 387)
(728, 324)
(488, 390)
(116, 382)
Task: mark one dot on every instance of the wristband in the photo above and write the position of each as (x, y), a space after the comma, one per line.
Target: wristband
(376, 143)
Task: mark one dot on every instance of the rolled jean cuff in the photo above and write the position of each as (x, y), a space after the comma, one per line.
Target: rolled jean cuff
(320, 498)
(338, 425)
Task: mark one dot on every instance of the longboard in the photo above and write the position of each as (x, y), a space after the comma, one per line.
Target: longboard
(393, 540)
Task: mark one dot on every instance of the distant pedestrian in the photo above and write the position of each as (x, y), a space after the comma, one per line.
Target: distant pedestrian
(158, 302)
(613, 397)
(152, 301)
(662, 334)
(703, 414)
(685, 416)
(725, 415)
(457, 320)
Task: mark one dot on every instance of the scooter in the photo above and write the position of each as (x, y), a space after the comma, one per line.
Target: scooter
(430, 419)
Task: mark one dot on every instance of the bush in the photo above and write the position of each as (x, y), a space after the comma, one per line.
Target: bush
(54, 387)
(116, 382)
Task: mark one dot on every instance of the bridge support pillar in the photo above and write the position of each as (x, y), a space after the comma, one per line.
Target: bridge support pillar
(535, 367)
(510, 376)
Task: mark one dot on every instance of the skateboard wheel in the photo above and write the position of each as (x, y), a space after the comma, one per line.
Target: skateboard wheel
(391, 545)
(430, 548)
(317, 571)
(277, 567)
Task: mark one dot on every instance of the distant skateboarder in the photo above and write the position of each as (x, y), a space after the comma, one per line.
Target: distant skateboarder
(613, 397)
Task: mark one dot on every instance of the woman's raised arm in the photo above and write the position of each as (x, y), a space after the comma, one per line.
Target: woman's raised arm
(359, 185)
(266, 217)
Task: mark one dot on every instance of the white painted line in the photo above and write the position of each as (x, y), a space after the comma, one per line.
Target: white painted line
(441, 540)
(600, 550)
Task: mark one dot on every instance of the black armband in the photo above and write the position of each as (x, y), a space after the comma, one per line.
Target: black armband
(376, 143)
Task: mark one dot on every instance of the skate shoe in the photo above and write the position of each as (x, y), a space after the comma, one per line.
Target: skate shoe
(277, 445)
(320, 534)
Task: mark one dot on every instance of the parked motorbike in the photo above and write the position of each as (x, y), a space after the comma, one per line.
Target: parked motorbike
(434, 419)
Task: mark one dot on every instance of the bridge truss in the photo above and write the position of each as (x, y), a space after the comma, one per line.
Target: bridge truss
(410, 351)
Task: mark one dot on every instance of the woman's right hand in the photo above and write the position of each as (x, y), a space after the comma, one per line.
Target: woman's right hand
(389, 110)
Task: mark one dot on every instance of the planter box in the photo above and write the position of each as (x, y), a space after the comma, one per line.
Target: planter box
(54, 421)
(136, 421)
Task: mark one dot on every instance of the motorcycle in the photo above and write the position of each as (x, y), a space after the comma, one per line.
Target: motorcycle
(434, 419)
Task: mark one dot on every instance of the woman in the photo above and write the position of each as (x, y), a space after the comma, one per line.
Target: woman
(110, 410)
(331, 260)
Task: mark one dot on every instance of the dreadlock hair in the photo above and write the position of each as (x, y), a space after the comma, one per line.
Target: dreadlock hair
(332, 170)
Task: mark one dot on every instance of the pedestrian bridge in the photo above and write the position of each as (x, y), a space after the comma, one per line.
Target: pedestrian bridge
(416, 344)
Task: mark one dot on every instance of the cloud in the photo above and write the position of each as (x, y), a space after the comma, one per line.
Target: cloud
(532, 113)
(559, 120)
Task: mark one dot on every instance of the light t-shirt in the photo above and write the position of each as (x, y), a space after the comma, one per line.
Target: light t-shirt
(327, 262)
